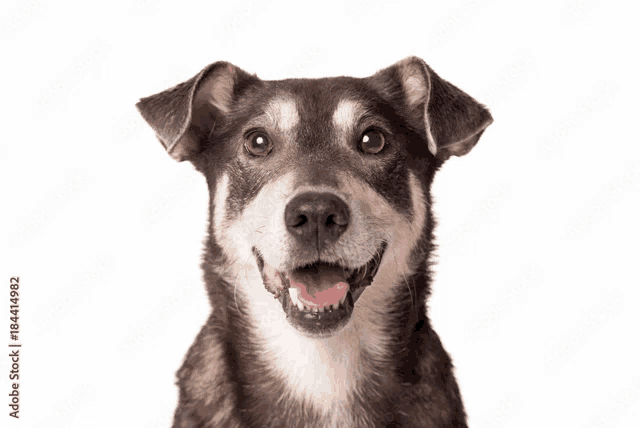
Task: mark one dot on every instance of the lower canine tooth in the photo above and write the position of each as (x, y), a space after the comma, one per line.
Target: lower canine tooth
(335, 306)
(294, 299)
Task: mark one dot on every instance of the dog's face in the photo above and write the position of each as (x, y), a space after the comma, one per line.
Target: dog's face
(319, 188)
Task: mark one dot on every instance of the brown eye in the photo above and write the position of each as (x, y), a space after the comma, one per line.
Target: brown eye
(258, 144)
(372, 141)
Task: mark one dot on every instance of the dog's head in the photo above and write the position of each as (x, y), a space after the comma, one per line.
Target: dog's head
(319, 188)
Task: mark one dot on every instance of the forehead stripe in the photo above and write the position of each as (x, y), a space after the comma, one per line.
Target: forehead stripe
(346, 114)
(283, 113)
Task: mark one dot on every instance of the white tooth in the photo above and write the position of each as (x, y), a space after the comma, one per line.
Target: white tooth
(320, 309)
(342, 299)
(335, 306)
(314, 310)
(293, 292)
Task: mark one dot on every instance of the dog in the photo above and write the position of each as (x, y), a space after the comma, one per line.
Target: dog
(319, 239)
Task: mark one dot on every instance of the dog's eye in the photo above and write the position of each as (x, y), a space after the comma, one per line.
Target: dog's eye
(258, 144)
(372, 141)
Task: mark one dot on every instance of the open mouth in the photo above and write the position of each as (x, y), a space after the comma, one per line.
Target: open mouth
(318, 298)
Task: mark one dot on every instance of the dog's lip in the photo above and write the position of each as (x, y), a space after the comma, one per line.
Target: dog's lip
(357, 279)
(318, 324)
(360, 276)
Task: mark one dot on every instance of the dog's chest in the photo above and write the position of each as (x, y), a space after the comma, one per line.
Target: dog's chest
(322, 373)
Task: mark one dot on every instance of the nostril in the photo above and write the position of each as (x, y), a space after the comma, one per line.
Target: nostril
(302, 219)
(336, 220)
(340, 219)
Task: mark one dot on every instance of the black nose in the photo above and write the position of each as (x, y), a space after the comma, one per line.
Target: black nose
(316, 219)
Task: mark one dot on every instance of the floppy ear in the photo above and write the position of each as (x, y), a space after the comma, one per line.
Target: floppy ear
(183, 116)
(453, 120)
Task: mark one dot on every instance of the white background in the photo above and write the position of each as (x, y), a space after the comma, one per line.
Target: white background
(536, 294)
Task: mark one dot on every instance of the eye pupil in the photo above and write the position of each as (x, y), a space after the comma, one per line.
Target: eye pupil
(258, 145)
(372, 141)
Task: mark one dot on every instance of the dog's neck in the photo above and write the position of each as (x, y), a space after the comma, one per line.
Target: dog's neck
(325, 377)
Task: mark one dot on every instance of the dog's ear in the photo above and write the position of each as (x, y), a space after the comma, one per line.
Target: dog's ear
(453, 120)
(183, 116)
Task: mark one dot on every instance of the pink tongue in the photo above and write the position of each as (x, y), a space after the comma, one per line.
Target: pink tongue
(319, 287)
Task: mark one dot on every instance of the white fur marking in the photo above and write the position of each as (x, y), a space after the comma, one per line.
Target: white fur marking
(220, 204)
(346, 114)
(415, 90)
(431, 142)
(283, 113)
(221, 89)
